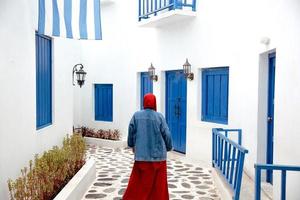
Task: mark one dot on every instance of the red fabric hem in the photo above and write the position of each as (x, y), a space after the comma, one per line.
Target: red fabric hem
(148, 181)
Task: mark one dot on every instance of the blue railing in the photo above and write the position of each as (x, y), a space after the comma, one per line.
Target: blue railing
(228, 156)
(282, 168)
(147, 8)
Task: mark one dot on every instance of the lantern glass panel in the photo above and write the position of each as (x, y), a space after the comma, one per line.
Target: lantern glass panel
(78, 76)
(81, 77)
(185, 69)
(151, 71)
(188, 69)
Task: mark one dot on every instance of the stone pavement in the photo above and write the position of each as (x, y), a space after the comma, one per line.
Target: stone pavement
(186, 181)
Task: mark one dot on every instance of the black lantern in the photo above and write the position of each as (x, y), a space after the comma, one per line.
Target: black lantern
(80, 74)
(151, 72)
(187, 70)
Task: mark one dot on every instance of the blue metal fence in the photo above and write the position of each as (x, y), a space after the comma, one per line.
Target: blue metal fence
(282, 168)
(228, 156)
(153, 7)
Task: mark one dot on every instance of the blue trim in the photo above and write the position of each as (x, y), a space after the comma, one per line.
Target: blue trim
(194, 6)
(215, 86)
(176, 99)
(41, 24)
(97, 21)
(146, 86)
(82, 19)
(272, 55)
(43, 126)
(146, 9)
(282, 168)
(277, 167)
(270, 135)
(229, 164)
(104, 102)
(43, 81)
(55, 23)
(68, 17)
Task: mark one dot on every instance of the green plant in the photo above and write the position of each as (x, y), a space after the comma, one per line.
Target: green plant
(48, 174)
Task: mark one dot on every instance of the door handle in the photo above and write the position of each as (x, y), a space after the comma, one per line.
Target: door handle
(176, 110)
(179, 111)
(270, 119)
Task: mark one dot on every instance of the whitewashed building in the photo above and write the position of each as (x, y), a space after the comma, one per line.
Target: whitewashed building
(238, 39)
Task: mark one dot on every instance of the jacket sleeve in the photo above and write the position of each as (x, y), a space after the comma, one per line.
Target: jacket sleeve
(166, 134)
(131, 133)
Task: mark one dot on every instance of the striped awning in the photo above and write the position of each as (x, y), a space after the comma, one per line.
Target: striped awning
(78, 19)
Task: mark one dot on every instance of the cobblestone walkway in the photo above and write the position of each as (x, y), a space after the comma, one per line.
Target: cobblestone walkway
(186, 181)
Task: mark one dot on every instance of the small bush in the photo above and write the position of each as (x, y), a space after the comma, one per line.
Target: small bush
(48, 174)
(103, 134)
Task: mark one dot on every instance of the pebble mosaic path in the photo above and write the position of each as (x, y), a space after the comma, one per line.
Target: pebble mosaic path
(113, 166)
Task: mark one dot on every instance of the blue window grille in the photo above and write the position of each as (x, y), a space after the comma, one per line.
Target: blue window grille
(228, 157)
(146, 86)
(215, 83)
(104, 102)
(148, 8)
(282, 168)
(43, 81)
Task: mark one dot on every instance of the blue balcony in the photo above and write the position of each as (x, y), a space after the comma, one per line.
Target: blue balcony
(149, 9)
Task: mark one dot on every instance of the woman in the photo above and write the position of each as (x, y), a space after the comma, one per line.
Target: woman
(150, 138)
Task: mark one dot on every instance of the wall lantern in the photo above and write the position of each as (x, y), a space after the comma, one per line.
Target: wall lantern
(187, 70)
(80, 75)
(151, 71)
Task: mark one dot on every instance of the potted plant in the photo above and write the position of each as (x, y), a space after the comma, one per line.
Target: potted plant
(107, 138)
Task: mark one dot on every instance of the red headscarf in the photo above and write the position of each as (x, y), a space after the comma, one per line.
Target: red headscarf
(150, 101)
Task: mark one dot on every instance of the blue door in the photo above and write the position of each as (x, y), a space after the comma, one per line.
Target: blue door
(176, 108)
(270, 135)
(146, 86)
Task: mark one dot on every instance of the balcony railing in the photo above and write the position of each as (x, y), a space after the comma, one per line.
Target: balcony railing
(228, 157)
(282, 168)
(148, 8)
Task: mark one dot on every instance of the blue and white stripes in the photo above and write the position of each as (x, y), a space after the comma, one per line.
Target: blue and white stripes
(78, 19)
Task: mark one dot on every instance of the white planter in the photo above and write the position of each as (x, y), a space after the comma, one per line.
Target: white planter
(79, 184)
(105, 143)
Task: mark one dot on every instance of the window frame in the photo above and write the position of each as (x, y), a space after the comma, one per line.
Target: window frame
(144, 75)
(50, 112)
(97, 117)
(204, 116)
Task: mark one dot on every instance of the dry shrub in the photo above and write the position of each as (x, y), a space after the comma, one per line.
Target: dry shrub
(48, 174)
(103, 134)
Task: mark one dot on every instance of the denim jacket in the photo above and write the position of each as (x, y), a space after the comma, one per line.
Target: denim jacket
(149, 134)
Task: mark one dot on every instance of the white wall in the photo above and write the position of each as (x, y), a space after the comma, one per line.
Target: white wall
(116, 60)
(224, 33)
(287, 95)
(19, 140)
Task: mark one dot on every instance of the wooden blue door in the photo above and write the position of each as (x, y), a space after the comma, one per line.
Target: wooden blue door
(176, 108)
(270, 134)
(146, 86)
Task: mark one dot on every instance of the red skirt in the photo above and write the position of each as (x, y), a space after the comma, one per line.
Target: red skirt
(148, 181)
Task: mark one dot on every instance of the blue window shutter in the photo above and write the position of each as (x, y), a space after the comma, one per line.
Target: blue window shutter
(215, 83)
(43, 81)
(146, 86)
(104, 102)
